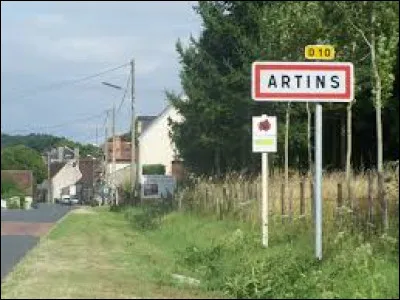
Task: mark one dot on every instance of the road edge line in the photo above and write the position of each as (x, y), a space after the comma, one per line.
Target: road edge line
(56, 224)
(40, 240)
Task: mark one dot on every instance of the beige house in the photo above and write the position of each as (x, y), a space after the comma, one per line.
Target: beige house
(155, 144)
(64, 176)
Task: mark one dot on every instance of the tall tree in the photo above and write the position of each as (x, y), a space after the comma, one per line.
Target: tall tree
(23, 158)
(376, 23)
(215, 134)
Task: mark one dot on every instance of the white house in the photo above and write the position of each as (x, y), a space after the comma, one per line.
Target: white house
(155, 145)
(121, 176)
(64, 176)
(118, 166)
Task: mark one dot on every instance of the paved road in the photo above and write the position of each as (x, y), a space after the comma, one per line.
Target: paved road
(44, 213)
(21, 230)
(13, 248)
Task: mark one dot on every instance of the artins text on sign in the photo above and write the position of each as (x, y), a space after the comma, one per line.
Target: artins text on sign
(302, 81)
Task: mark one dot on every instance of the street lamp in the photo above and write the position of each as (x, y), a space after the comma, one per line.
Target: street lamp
(134, 168)
(112, 85)
(114, 169)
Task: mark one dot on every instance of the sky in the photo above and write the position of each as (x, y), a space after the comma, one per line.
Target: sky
(44, 44)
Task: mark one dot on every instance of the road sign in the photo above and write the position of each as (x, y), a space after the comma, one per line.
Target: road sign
(302, 81)
(264, 141)
(321, 52)
(264, 134)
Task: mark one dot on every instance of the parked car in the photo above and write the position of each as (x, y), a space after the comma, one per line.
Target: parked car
(65, 199)
(74, 200)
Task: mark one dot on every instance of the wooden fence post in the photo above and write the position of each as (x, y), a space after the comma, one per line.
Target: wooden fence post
(234, 197)
(221, 209)
(290, 191)
(383, 201)
(339, 197)
(206, 201)
(282, 201)
(312, 200)
(271, 196)
(302, 205)
(370, 199)
(350, 196)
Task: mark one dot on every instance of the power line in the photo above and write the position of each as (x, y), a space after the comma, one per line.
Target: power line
(105, 119)
(69, 82)
(87, 138)
(76, 121)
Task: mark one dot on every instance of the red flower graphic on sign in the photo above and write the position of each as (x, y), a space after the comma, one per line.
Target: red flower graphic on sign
(264, 125)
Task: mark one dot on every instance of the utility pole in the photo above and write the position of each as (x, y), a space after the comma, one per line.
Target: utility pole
(49, 200)
(93, 176)
(134, 163)
(114, 149)
(97, 136)
(106, 152)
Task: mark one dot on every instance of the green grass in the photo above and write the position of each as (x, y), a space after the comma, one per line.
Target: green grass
(227, 256)
(96, 254)
(133, 252)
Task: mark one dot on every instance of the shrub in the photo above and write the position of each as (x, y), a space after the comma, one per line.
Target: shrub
(156, 169)
(13, 203)
(149, 217)
(22, 202)
(9, 188)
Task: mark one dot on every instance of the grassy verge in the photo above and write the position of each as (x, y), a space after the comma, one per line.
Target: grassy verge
(226, 256)
(133, 252)
(95, 253)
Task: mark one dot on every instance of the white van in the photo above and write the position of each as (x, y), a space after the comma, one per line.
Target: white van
(65, 199)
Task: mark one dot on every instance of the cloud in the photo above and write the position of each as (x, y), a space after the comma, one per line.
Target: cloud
(45, 43)
(47, 21)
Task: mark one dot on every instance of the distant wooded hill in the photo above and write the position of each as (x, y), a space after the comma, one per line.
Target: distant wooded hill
(44, 142)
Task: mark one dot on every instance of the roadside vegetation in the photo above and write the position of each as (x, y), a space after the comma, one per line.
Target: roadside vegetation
(227, 256)
(95, 253)
(12, 194)
(160, 252)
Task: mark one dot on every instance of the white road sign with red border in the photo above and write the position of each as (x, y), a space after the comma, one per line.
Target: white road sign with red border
(302, 81)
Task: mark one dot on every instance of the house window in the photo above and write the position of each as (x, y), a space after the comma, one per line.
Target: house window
(150, 189)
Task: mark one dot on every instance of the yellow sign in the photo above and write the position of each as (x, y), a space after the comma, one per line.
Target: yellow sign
(323, 52)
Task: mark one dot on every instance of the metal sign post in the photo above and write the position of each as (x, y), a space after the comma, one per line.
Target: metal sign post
(318, 181)
(264, 206)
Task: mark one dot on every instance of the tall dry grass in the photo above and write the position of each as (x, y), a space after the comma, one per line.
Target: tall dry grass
(240, 196)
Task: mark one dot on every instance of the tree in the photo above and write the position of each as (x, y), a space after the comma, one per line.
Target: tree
(44, 142)
(376, 24)
(23, 158)
(9, 188)
(215, 136)
(217, 112)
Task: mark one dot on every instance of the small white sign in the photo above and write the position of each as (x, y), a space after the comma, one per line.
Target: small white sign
(157, 186)
(264, 134)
